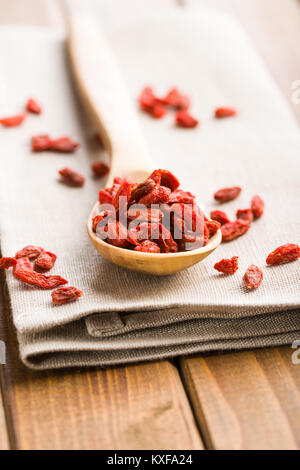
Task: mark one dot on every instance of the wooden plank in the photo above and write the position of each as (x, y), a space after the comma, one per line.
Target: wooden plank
(135, 407)
(246, 400)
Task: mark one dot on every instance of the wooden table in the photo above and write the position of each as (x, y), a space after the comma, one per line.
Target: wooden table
(245, 400)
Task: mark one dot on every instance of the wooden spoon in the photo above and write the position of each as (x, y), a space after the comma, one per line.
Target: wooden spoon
(102, 88)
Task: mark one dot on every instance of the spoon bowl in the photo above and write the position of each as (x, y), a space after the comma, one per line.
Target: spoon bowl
(159, 264)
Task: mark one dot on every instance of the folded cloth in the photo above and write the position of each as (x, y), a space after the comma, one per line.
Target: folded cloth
(124, 316)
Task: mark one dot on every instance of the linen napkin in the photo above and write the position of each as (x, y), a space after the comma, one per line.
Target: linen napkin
(124, 316)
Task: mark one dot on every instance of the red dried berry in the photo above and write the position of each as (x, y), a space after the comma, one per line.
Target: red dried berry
(148, 246)
(165, 178)
(6, 263)
(220, 216)
(147, 99)
(227, 266)
(244, 214)
(105, 197)
(45, 261)
(71, 178)
(145, 215)
(166, 241)
(284, 254)
(234, 229)
(64, 145)
(24, 263)
(225, 112)
(142, 189)
(213, 226)
(186, 120)
(100, 169)
(33, 106)
(158, 195)
(257, 206)
(253, 277)
(65, 295)
(13, 121)
(177, 100)
(124, 191)
(39, 143)
(115, 234)
(180, 196)
(227, 194)
(39, 280)
(96, 220)
(30, 251)
(158, 111)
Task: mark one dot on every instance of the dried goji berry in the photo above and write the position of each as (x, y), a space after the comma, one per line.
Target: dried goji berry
(253, 277)
(227, 266)
(158, 195)
(64, 145)
(115, 234)
(257, 206)
(220, 217)
(124, 191)
(45, 261)
(65, 295)
(100, 169)
(165, 178)
(166, 241)
(33, 106)
(71, 178)
(39, 280)
(6, 263)
(144, 215)
(184, 119)
(13, 121)
(39, 143)
(213, 226)
(147, 99)
(24, 263)
(177, 99)
(105, 197)
(96, 220)
(225, 112)
(234, 229)
(227, 194)
(148, 246)
(284, 254)
(142, 189)
(158, 111)
(30, 251)
(180, 196)
(244, 214)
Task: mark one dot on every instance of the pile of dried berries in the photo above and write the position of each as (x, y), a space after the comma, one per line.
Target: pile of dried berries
(158, 107)
(154, 216)
(29, 266)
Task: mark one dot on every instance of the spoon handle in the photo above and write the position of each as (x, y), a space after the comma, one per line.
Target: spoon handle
(103, 91)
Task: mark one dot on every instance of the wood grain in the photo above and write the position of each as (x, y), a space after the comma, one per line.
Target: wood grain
(135, 407)
(247, 400)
